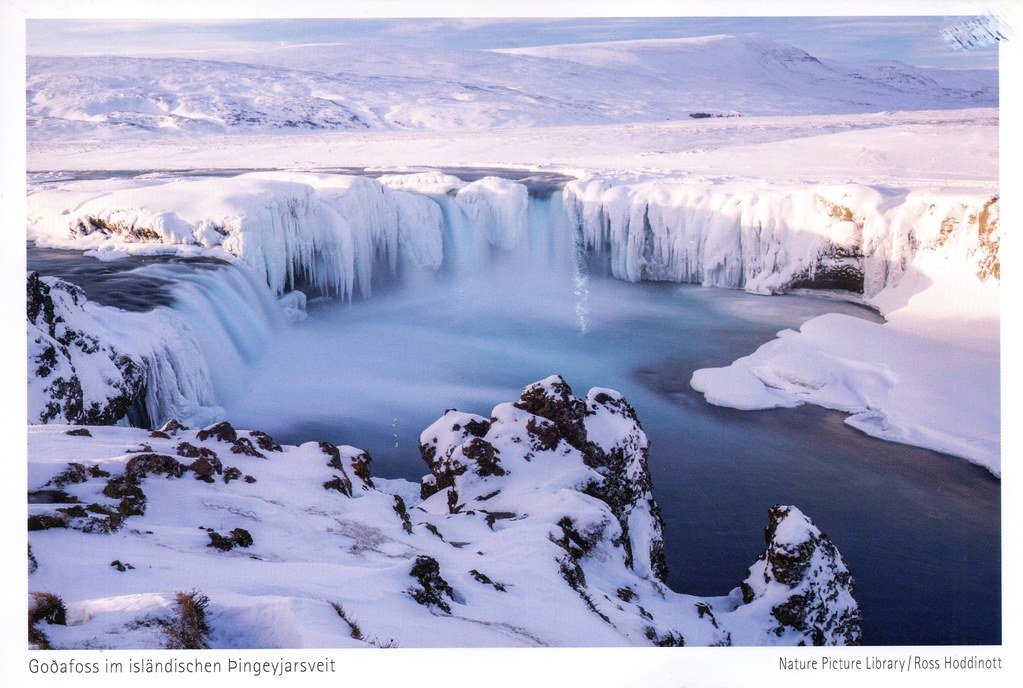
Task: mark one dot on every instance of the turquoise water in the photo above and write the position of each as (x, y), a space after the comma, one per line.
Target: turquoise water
(919, 530)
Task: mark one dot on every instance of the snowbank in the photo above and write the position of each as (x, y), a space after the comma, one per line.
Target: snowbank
(930, 375)
(537, 527)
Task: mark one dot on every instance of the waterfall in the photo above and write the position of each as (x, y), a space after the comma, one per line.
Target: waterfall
(229, 315)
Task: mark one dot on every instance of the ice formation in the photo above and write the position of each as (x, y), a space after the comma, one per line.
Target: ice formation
(536, 527)
(329, 232)
(95, 365)
(768, 238)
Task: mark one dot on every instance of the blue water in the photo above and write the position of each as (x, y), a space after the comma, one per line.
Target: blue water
(919, 530)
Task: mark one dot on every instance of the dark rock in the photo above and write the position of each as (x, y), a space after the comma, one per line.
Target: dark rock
(428, 487)
(46, 522)
(342, 485)
(265, 441)
(190, 451)
(239, 537)
(132, 498)
(543, 433)
(143, 465)
(172, 427)
(222, 432)
(477, 428)
(495, 516)
(121, 566)
(670, 639)
(360, 466)
(433, 588)
(399, 508)
(79, 432)
(77, 473)
(446, 462)
(159, 434)
(231, 473)
(484, 456)
(808, 566)
(249, 479)
(76, 511)
(486, 580)
(243, 445)
(552, 399)
(453, 506)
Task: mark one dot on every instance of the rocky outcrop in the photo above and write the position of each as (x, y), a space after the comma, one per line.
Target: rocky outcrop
(605, 430)
(804, 581)
(75, 375)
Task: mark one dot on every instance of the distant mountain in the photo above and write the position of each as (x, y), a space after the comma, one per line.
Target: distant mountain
(343, 87)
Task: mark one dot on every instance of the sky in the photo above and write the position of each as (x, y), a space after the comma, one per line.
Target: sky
(920, 41)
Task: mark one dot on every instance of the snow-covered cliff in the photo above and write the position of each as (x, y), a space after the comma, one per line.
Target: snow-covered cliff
(768, 238)
(537, 527)
(103, 366)
(327, 231)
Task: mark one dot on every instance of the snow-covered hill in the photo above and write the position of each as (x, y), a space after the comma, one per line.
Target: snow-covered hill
(351, 88)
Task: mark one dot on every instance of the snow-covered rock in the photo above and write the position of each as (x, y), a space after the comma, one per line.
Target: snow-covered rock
(97, 365)
(804, 582)
(538, 528)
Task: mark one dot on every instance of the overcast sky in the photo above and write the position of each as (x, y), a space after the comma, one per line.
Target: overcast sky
(921, 41)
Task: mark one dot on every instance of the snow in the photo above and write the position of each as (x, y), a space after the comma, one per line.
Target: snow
(903, 149)
(810, 165)
(88, 340)
(349, 88)
(500, 540)
(930, 375)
